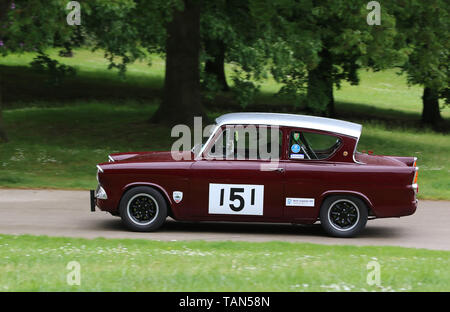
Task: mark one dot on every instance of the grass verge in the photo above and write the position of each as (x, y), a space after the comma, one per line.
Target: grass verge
(39, 263)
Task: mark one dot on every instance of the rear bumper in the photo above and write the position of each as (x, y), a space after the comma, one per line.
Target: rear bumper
(407, 210)
(414, 205)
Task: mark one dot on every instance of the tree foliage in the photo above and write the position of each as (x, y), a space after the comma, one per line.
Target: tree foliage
(34, 25)
(128, 30)
(425, 28)
(329, 40)
(309, 46)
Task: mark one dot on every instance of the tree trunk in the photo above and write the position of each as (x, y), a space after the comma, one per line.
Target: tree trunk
(216, 66)
(4, 5)
(431, 113)
(181, 98)
(320, 86)
(3, 136)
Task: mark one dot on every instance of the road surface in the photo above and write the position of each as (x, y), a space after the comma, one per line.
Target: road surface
(67, 213)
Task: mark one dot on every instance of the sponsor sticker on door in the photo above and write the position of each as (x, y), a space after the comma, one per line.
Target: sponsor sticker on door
(297, 156)
(300, 202)
(236, 199)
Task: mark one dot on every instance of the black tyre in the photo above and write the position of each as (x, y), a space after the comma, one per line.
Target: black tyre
(343, 216)
(143, 209)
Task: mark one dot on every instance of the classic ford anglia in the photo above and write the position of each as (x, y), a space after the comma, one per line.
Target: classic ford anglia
(261, 167)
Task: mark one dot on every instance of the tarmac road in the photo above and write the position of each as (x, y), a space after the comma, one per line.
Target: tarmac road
(67, 213)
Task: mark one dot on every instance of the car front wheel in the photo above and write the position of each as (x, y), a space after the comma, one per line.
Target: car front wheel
(143, 209)
(343, 216)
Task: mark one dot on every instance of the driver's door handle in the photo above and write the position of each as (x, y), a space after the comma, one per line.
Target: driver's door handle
(279, 169)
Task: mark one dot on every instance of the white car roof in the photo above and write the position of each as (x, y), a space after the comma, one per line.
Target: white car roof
(291, 120)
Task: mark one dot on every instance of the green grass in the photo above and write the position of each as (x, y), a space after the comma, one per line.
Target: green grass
(379, 95)
(58, 134)
(430, 148)
(58, 147)
(94, 65)
(38, 263)
(383, 94)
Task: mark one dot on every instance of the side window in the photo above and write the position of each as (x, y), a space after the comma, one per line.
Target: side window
(248, 142)
(312, 146)
(223, 146)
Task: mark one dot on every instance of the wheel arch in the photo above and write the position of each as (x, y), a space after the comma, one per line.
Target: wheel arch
(359, 195)
(155, 186)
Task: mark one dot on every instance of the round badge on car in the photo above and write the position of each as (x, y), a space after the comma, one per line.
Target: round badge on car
(295, 148)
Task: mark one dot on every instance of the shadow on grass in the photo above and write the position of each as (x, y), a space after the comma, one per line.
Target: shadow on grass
(389, 117)
(23, 84)
(357, 112)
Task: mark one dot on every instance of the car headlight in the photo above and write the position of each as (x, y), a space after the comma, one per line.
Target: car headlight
(101, 193)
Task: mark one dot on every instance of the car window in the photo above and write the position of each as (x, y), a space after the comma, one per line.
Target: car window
(220, 146)
(248, 142)
(312, 146)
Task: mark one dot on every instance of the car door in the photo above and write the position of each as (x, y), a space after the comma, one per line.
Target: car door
(236, 188)
(307, 167)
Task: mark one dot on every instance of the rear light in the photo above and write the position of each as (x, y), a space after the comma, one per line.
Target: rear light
(415, 186)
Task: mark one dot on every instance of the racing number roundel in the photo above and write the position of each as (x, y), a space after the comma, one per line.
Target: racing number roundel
(240, 199)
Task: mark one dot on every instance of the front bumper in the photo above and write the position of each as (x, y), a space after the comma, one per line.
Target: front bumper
(99, 193)
(93, 200)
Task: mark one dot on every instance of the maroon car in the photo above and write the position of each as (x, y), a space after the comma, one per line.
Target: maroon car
(261, 167)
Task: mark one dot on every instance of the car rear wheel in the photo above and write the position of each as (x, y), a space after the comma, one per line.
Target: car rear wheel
(343, 216)
(143, 209)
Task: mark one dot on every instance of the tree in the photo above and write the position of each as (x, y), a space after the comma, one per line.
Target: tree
(330, 40)
(4, 7)
(229, 35)
(3, 135)
(129, 30)
(189, 33)
(425, 27)
(181, 100)
(33, 26)
(215, 64)
(223, 32)
(347, 44)
(214, 32)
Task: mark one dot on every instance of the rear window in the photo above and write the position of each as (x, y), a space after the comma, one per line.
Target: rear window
(312, 146)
